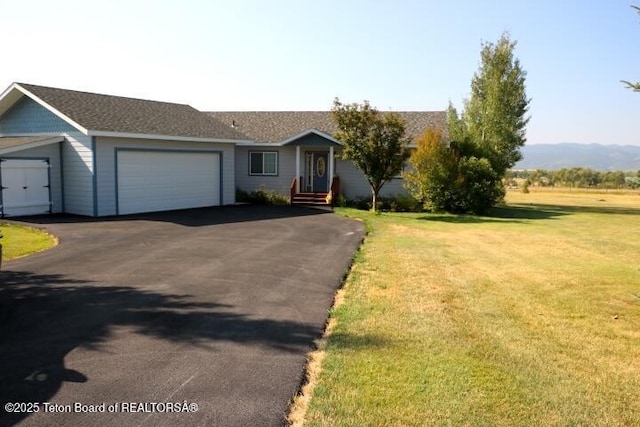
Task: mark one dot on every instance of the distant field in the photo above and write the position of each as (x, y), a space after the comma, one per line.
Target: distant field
(528, 317)
(566, 194)
(607, 201)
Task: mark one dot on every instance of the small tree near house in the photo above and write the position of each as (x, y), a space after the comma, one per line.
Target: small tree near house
(433, 170)
(452, 176)
(374, 142)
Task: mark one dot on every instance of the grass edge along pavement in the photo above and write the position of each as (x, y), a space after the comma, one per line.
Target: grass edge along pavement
(528, 317)
(20, 240)
(313, 366)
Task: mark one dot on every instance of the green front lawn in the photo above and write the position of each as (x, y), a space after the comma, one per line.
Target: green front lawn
(529, 317)
(20, 241)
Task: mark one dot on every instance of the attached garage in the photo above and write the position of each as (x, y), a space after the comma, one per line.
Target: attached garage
(111, 155)
(160, 180)
(25, 187)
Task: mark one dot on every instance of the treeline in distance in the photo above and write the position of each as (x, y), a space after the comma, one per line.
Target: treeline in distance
(576, 177)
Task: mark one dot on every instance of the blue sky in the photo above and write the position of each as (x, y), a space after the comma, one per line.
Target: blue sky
(299, 55)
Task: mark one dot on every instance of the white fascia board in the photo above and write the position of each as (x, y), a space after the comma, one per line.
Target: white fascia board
(35, 144)
(7, 90)
(162, 137)
(259, 144)
(50, 108)
(9, 97)
(37, 134)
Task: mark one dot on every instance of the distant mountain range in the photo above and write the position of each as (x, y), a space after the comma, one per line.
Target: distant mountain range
(567, 155)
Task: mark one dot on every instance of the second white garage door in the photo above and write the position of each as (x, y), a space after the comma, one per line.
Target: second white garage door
(150, 181)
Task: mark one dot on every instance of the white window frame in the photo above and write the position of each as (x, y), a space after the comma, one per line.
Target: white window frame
(263, 173)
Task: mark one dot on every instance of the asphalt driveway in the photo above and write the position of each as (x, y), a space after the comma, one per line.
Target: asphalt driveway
(136, 316)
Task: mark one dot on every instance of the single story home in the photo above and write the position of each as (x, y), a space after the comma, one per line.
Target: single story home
(294, 152)
(101, 155)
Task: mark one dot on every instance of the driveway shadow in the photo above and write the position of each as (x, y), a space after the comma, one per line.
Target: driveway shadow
(589, 209)
(191, 217)
(502, 215)
(44, 317)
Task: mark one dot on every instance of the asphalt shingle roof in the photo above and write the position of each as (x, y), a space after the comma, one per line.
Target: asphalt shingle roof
(135, 116)
(277, 126)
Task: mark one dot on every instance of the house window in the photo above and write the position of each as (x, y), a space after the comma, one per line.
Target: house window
(263, 163)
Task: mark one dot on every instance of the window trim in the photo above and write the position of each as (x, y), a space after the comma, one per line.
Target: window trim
(263, 152)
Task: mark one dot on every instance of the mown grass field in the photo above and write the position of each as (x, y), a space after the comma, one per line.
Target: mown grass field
(20, 241)
(528, 317)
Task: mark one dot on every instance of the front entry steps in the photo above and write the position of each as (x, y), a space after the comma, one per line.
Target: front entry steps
(313, 199)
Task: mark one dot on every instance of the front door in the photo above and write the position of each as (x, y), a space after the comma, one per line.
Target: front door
(317, 172)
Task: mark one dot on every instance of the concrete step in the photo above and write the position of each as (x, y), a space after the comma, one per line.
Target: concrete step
(310, 199)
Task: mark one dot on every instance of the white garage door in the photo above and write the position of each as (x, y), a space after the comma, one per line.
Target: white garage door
(25, 187)
(151, 181)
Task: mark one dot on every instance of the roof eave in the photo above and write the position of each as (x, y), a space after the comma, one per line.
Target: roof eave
(163, 137)
(36, 144)
(259, 144)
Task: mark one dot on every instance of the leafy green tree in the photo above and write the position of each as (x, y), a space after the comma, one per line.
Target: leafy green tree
(632, 181)
(452, 178)
(455, 125)
(613, 179)
(374, 142)
(432, 172)
(634, 86)
(495, 117)
(585, 178)
(479, 187)
(486, 136)
(541, 178)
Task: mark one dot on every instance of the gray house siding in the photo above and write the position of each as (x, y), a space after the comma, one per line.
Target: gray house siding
(77, 161)
(354, 185)
(28, 117)
(106, 166)
(280, 183)
(393, 188)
